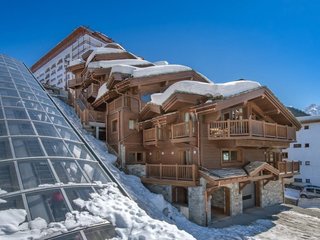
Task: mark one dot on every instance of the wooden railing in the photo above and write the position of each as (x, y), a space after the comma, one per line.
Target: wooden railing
(182, 130)
(93, 90)
(172, 172)
(95, 116)
(288, 167)
(150, 135)
(249, 127)
(74, 82)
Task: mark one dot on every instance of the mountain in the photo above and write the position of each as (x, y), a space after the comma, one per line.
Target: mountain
(297, 112)
(313, 109)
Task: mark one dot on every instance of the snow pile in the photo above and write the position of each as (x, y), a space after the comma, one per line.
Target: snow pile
(159, 63)
(224, 89)
(111, 63)
(102, 50)
(121, 68)
(291, 193)
(160, 69)
(102, 90)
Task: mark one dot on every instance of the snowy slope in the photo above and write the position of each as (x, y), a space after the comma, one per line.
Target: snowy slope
(313, 109)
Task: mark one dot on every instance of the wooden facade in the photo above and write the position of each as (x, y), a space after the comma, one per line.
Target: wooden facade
(188, 135)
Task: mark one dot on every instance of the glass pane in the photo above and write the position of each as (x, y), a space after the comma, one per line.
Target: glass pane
(8, 177)
(12, 203)
(68, 171)
(8, 92)
(50, 109)
(3, 129)
(38, 116)
(67, 133)
(75, 193)
(14, 102)
(27, 95)
(94, 172)
(225, 155)
(5, 149)
(45, 129)
(78, 150)
(33, 105)
(20, 128)
(15, 113)
(23, 88)
(58, 120)
(49, 205)
(35, 173)
(27, 147)
(71, 236)
(103, 232)
(55, 147)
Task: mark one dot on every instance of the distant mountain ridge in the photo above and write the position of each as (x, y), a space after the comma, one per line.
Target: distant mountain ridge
(297, 112)
(313, 109)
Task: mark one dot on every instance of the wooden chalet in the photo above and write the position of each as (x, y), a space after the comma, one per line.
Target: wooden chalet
(226, 150)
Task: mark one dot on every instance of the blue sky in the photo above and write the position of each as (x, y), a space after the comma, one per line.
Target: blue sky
(273, 42)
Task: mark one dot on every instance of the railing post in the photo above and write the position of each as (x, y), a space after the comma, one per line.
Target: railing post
(228, 127)
(276, 125)
(286, 168)
(172, 131)
(177, 171)
(160, 170)
(193, 173)
(250, 127)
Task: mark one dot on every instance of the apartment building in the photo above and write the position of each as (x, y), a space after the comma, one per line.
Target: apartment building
(307, 150)
(213, 150)
(51, 68)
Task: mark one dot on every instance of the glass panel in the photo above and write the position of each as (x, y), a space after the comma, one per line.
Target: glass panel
(15, 113)
(49, 205)
(55, 147)
(3, 129)
(45, 129)
(68, 171)
(27, 147)
(13, 102)
(8, 177)
(50, 109)
(75, 193)
(1, 114)
(67, 133)
(38, 116)
(8, 92)
(35, 173)
(94, 172)
(23, 88)
(12, 203)
(27, 95)
(58, 120)
(5, 84)
(78, 150)
(71, 236)
(20, 128)
(33, 105)
(103, 232)
(5, 149)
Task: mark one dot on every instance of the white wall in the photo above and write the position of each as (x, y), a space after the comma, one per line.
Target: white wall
(303, 154)
(75, 51)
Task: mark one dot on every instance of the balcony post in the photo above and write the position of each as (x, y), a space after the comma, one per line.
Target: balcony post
(177, 171)
(228, 127)
(160, 170)
(250, 127)
(194, 173)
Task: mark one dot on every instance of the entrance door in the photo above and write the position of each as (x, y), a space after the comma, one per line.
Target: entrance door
(248, 196)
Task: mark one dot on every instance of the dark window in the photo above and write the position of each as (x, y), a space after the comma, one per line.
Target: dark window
(300, 163)
(307, 180)
(297, 145)
(306, 145)
(114, 125)
(317, 191)
(306, 127)
(230, 155)
(8, 177)
(284, 155)
(311, 190)
(307, 162)
(298, 179)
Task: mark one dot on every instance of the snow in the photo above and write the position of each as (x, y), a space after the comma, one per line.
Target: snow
(224, 89)
(121, 68)
(111, 63)
(309, 118)
(291, 193)
(158, 63)
(160, 69)
(102, 90)
(110, 45)
(102, 50)
(75, 62)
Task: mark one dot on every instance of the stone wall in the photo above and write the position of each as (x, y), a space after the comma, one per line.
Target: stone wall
(197, 203)
(271, 193)
(218, 198)
(165, 190)
(137, 170)
(235, 199)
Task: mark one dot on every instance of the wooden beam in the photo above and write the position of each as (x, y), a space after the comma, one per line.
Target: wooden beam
(242, 185)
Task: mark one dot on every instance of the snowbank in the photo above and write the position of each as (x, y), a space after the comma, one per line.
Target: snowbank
(111, 63)
(102, 90)
(121, 68)
(102, 50)
(159, 63)
(224, 89)
(160, 69)
(291, 193)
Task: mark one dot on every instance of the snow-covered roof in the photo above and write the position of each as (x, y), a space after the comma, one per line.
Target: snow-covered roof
(194, 87)
(228, 172)
(111, 63)
(102, 90)
(114, 45)
(160, 69)
(102, 50)
(121, 68)
(75, 62)
(159, 63)
(309, 119)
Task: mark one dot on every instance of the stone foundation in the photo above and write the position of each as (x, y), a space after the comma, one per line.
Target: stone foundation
(235, 199)
(137, 170)
(197, 203)
(271, 193)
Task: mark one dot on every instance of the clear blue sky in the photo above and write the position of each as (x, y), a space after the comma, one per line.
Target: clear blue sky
(275, 42)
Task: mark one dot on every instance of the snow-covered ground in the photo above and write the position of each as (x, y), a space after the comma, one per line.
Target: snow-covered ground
(157, 208)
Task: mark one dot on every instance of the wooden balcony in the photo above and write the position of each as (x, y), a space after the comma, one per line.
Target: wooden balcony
(72, 83)
(248, 128)
(95, 116)
(182, 132)
(288, 168)
(92, 92)
(172, 174)
(153, 136)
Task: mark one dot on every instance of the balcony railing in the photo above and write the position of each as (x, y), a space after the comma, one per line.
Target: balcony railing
(75, 82)
(249, 127)
(182, 130)
(95, 116)
(288, 167)
(172, 172)
(153, 135)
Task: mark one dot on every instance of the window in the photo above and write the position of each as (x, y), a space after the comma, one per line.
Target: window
(12, 203)
(114, 125)
(78, 150)
(20, 128)
(15, 113)
(132, 124)
(317, 191)
(300, 163)
(306, 145)
(307, 180)
(135, 157)
(230, 155)
(27, 147)
(45, 129)
(297, 145)
(55, 147)
(5, 149)
(298, 180)
(68, 171)
(8, 177)
(75, 193)
(307, 163)
(284, 155)
(306, 127)
(94, 172)
(3, 129)
(310, 190)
